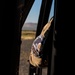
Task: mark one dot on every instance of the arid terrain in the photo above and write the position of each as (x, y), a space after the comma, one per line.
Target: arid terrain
(27, 39)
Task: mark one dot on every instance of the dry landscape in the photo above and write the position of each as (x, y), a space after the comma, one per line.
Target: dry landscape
(27, 39)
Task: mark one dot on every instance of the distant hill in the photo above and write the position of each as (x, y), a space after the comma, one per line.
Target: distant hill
(29, 26)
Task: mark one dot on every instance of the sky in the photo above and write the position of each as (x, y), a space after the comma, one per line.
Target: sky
(34, 12)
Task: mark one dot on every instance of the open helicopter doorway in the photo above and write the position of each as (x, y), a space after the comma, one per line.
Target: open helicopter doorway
(28, 33)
